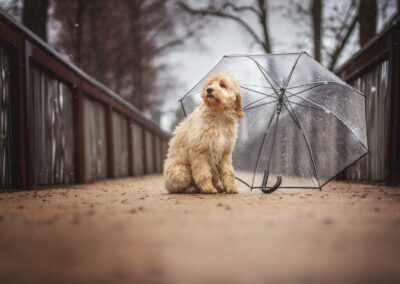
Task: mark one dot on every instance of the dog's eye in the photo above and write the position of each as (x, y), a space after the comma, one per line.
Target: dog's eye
(222, 85)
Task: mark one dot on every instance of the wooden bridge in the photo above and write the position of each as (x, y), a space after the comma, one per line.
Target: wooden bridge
(60, 127)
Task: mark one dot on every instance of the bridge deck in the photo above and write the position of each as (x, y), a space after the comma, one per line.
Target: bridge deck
(130, 231)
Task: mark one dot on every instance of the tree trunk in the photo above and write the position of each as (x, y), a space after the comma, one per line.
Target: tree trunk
(367, 20)
(98, 70)
(137, 68)
(78, 25)
(35, 16)
(263, 6)
(316, 12)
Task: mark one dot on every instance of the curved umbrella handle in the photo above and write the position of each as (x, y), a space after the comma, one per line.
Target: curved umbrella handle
(264, 187)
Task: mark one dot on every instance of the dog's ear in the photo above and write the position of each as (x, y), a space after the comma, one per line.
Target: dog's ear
(238, 103)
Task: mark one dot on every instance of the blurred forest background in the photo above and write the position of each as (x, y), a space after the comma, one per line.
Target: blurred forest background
(152, 51)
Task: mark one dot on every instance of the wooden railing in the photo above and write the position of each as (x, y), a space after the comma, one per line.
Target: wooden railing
(375, 70)
(60, 126)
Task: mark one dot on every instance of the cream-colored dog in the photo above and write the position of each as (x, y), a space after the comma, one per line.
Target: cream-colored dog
(200, 151)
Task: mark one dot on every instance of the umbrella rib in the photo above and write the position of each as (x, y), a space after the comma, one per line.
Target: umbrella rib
(183, 108)
(261, 69)
(324, 83)
(299, 124)
(245, 84)
(292, 102)
(291, 71)
(335, 116)
(261, 93)
(309, 84)
(261, 104)
(243, 182)
(294, 94)
(256, 101)
(262, 145)
(189, 96)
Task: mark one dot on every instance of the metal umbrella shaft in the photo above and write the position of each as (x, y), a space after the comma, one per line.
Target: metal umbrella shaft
(278, 182)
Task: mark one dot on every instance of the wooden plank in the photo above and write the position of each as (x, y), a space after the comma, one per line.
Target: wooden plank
(79, 135)
(145, 171)
(394, 147)
(26, 122)
(130, 150)
(110, 142)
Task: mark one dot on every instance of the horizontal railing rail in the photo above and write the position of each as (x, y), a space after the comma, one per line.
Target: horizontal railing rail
(60, 126)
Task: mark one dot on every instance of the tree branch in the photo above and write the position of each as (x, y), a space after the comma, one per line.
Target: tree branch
(339, 47)
(211, 11)
(240, 8)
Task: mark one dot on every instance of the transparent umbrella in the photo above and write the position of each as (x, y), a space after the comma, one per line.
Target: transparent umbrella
(303, 124)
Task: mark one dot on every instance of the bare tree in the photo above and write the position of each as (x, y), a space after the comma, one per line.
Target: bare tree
(35, 16)
(310, 17)
(119, 43)
(228, 10)
(330, 31)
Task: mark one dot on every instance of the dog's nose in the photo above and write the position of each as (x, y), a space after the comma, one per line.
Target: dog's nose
(210, 90)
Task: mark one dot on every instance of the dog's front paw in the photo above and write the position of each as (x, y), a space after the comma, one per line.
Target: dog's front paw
(231, 189)
(229, 184)
(220, 187)
(208, 190)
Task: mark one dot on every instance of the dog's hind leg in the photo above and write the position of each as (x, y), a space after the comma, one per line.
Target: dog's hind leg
(178, 178)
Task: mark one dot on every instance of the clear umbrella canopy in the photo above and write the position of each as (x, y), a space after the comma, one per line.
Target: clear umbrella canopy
(302, 122)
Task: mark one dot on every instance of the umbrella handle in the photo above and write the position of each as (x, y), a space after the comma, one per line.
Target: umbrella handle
(264, 187)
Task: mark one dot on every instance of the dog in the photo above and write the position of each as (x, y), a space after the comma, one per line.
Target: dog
(199, 157)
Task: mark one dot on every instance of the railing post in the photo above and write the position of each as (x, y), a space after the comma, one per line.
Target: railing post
(394, 137)
(154, 138)
(110, 142)
(21, 81)
(26, 130)
(145, 171)
(161, 145)
(79, 135)
(130, 151)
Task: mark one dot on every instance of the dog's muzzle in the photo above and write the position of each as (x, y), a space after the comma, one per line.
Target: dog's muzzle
(210, 96)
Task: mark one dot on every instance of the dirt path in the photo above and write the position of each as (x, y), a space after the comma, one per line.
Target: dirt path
(130, 231)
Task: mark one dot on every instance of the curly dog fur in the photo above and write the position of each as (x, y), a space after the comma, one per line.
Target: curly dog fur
(200, 152)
